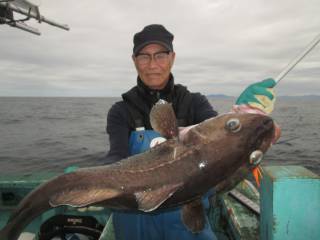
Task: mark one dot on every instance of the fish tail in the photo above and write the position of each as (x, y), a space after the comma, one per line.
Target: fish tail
(10, 232)
(4, 233)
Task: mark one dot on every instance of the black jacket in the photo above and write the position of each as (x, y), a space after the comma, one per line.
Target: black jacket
(133, 111)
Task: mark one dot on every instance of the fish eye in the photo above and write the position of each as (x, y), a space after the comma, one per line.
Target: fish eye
(233, 125)
(256, 157)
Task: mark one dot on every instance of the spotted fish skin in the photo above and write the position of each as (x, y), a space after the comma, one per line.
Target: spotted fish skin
(172, 173)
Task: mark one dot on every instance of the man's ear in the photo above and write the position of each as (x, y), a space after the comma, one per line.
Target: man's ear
(173, 54)
(134, 61)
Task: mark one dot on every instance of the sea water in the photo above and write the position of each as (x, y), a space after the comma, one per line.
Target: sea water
(49, 134)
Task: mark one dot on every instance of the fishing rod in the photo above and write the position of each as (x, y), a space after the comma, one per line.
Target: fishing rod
(296, 60)
(287, 140)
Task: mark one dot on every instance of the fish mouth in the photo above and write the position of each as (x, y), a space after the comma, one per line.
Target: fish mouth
(264, 135)
(276, 133)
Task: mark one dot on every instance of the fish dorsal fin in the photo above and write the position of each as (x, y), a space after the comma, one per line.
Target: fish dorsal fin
(193, 216)
(150, 200)
(82, 197)
(163, 119)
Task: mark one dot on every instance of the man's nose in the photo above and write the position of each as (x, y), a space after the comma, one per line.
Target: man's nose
(153, 63)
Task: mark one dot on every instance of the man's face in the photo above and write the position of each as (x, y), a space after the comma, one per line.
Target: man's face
(153, 64)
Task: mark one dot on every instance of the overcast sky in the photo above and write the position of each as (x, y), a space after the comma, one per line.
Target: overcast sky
(221, 46)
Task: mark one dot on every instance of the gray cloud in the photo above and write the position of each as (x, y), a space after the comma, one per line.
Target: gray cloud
(221, 46)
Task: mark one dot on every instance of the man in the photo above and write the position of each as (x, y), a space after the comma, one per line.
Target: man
(130, 132)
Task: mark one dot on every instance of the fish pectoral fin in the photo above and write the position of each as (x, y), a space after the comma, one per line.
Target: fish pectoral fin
(193, 216)
(163, 120)
(194, 137)
(82, 197)
(150, 200)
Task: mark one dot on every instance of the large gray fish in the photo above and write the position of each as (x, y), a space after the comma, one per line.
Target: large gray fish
(218, 152)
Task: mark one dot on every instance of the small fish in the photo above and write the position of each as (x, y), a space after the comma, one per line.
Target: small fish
(217, 153)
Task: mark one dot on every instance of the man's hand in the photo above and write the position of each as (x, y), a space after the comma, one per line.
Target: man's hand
(259, 95)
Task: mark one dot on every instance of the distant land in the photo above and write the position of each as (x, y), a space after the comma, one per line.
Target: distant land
(219, 96)
(303, 96)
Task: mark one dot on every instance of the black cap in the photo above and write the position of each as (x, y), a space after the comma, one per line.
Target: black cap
(154, 33)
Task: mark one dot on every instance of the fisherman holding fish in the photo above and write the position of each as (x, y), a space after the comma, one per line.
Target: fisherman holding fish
(161, 193)
(130, 131)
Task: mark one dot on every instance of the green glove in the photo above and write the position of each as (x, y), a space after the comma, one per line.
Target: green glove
(259, 95)
(70, 169)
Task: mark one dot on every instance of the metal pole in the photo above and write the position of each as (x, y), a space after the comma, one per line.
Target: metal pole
(40, 18)
(21, 26)
(25, 28)
(296, 60)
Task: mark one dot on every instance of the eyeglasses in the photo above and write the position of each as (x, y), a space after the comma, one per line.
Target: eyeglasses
(159, 57)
